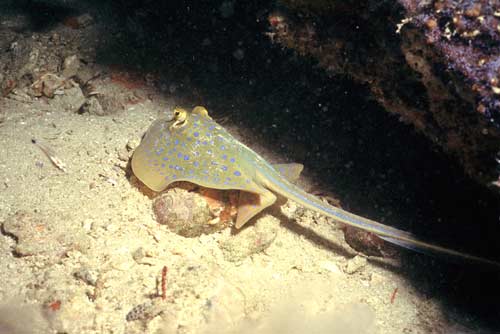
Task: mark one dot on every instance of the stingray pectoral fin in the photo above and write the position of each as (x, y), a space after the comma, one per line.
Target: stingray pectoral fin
(251, 204)
(147, 173)
(290, 171)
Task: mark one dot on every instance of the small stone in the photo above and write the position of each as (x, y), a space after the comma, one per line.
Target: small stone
(85, 74)
(145, 311)
(72, 100)
(92, 106)
(87, 275)
(70, 66)
(250, 240)
(367, 243)
(139, 254)
(123, 154)
(132, 144)
(355, 265)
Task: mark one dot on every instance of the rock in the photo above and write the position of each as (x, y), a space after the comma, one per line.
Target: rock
(250, 240)
(110, 103)
(146, 311)
(367, 243)
(70, 66)
(85, 74)
(47, 85)
(355, 264)
(139, 254)
(87, 275)
(185, 213)
(133, 143)
(92, 106)
(71, 101)
(85, 20)
(440, 72)
(38, 234)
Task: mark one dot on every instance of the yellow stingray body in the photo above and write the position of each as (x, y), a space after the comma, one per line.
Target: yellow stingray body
(193, 147)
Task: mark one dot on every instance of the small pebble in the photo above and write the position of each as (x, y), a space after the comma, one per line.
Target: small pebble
(70, 66)
(355, 265)
(133, 143)
(87, 275)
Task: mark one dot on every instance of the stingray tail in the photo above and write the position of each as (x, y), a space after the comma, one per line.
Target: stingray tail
(385, 232)
(426, 248)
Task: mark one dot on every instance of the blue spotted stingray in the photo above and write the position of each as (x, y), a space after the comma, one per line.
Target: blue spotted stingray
(193, 147)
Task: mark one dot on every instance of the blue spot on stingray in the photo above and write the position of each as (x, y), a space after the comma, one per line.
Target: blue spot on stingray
(186, 157)
(209, 151)
(196, 134)
(179, 155)
(196, 163)
(165, 159)
(228, 178)
(178, 168)
(174, 176)
(163, 165)
(176, 142)
(204, 142)
(223, 147)
(211, 127)
(232, 159)
(197, 142)
(224, 156)
(209, 134)
(237, 173)
(224, 168)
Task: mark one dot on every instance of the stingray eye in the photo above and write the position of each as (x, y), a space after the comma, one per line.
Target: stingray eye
(180, 118)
